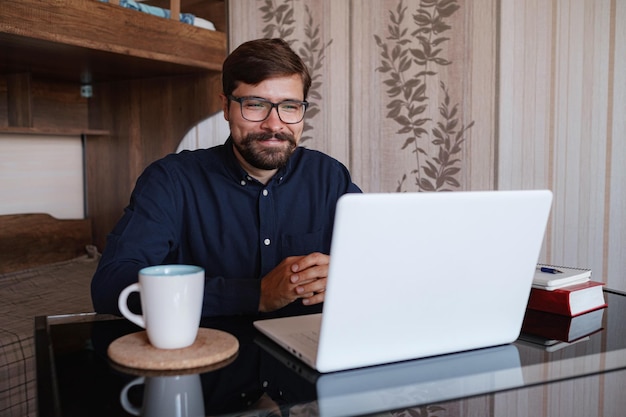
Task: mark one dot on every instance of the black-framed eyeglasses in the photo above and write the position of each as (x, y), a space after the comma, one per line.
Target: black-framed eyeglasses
(257, 109)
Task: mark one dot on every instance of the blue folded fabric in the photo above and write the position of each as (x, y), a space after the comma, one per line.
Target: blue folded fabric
(155, 11)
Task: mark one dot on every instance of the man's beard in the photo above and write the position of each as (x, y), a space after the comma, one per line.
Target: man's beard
(267, 158)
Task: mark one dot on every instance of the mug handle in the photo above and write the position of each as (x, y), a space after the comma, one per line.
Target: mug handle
(122, 303)
(126, 404)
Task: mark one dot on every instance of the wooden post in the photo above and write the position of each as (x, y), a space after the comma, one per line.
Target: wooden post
(175, 9)
(19, 99)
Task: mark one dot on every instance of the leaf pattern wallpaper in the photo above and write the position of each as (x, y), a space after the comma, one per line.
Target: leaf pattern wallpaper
(410, 58)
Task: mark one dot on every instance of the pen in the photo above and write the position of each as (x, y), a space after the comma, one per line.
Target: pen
(550, 270)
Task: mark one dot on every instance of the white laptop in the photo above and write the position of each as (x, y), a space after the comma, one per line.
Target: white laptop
(414, 275)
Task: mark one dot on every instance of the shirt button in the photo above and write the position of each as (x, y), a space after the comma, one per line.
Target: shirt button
(243, 182)
(265, 193)
(267, 242)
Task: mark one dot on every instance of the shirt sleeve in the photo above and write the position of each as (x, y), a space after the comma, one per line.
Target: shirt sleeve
(143, 237)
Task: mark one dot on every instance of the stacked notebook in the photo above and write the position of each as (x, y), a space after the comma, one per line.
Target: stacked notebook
(565, 305)
(550, 277)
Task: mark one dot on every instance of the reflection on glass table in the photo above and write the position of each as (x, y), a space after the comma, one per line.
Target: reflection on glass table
(75, 376)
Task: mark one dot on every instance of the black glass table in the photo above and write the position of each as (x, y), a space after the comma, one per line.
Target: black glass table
(528, 377)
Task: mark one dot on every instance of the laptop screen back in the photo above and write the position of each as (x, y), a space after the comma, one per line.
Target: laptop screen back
(422, 274)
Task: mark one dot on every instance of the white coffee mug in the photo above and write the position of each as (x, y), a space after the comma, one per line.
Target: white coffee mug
(171, 303)
(167, 396)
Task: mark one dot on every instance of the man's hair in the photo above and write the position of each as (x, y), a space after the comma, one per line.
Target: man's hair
(256, 61)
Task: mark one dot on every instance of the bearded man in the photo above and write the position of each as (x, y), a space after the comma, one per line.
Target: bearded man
(256, 212)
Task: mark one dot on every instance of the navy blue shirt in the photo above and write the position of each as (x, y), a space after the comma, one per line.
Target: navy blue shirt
(201, 208)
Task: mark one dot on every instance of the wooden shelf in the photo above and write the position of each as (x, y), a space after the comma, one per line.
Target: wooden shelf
(53, 131)
(89, 41)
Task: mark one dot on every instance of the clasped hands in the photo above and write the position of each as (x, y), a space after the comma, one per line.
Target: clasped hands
(295, 277)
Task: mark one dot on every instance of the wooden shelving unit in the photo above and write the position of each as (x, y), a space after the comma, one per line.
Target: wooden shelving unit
(151, 80)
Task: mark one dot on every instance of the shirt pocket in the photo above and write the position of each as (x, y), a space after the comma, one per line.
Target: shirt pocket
(306, 243)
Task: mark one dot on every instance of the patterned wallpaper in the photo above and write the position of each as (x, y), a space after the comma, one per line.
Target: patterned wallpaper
(412, 54)
(408, 133)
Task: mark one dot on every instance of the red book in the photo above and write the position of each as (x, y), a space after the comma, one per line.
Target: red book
(568, 301)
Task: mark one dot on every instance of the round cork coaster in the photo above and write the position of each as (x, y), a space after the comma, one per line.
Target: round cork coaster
(211, 347)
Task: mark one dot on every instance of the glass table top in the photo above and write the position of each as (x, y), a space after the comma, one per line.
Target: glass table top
(75, 376)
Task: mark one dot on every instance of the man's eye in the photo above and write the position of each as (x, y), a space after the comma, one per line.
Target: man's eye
(255, 105)
(290, 106)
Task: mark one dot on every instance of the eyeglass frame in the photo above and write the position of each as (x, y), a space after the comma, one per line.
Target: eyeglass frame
(240, 100)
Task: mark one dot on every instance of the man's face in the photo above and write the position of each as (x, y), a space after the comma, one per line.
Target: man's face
(265, 145)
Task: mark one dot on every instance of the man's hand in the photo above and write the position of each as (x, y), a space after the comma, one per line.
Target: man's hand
(295, 277)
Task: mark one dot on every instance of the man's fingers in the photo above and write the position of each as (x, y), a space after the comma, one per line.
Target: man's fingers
(310, 289)
(309, 275)
(309, 261)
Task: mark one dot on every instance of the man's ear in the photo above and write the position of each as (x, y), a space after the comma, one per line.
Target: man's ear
(225, 106)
